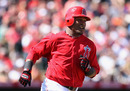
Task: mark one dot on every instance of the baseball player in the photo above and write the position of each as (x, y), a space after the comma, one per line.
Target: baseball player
(71, 55)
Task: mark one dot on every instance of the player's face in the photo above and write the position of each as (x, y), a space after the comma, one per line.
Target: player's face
(79, 25)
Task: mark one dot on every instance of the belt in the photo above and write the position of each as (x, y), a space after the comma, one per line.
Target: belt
(70, 88)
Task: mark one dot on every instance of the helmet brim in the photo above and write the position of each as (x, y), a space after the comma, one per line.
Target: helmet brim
(87, 18)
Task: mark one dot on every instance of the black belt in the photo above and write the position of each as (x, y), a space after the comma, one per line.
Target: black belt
(70, 88)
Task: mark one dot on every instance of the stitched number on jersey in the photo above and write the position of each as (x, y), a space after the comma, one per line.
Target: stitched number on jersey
(87, 51)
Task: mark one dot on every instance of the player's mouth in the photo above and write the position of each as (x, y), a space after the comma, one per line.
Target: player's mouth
(81, 27)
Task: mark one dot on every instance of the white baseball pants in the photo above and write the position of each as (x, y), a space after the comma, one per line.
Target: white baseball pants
(50, 85)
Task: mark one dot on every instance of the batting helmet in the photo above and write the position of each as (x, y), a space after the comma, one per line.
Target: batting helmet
(76, 11)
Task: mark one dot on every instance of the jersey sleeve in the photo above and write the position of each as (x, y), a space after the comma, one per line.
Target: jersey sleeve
(93, 60)
(40, 49)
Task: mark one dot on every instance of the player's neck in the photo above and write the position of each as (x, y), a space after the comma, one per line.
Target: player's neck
(71, 33)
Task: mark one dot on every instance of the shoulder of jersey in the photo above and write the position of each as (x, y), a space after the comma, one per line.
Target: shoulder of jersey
(55, 36)
(88, 40)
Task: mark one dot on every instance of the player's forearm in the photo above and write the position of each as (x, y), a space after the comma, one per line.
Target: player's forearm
(28, 65)
(91, 73)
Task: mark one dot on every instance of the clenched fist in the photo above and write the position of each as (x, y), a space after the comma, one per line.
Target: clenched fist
(84, 64)
(25, 78)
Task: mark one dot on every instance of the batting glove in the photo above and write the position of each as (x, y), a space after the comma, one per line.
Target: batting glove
(25, 78)
(85, 64)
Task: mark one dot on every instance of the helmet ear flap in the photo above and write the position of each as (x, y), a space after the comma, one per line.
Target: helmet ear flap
(75, 11)
(70, 21)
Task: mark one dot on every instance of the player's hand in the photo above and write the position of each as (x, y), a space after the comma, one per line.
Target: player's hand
(25, 78)
(85, 64)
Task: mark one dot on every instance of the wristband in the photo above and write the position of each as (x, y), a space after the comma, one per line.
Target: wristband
(90, 72)
(28, 66)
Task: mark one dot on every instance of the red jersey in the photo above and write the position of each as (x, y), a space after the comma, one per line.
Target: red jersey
(63, 53)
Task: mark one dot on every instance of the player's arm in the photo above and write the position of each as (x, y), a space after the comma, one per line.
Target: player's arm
(85, 65)
(36, 52)
(90, 66)
(25, 77)
(91, 73)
